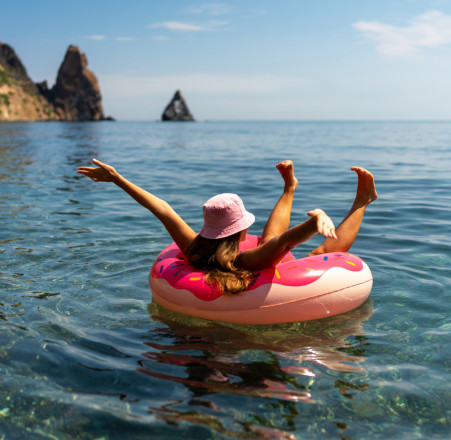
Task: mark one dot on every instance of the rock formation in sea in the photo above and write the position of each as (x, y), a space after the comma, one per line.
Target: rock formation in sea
(177, 109)
(74, 97)
(76, 93)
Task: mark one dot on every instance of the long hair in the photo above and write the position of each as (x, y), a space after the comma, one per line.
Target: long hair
(216, 257)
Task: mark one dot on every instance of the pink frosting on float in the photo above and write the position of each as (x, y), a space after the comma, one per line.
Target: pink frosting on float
(172, 266)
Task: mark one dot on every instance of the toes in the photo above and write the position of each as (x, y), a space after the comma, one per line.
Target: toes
(361, 171)
(283, 165)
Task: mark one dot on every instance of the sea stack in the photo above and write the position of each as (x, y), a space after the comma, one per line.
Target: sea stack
(76, 94)
(74, 97)
(177, 109)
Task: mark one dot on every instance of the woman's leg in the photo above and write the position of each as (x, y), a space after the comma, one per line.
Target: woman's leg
(279, 220)
(348, 229)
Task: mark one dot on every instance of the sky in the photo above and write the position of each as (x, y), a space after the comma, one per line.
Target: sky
(247, 59)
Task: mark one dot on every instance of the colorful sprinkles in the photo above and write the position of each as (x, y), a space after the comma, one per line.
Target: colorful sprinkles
(174, 266)
(255, 279)
(177, 265)
(291, 284)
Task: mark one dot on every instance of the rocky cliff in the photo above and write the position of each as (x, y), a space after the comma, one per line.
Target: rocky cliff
(74, 97)
(20, 99)
(177, 109)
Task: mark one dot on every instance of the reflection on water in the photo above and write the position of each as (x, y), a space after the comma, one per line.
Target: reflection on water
(285, 362)
(332, 331)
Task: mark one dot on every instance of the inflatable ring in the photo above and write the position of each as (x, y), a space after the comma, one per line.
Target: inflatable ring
(295, 290)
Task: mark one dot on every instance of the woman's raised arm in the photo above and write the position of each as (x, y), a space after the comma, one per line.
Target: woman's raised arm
(180, 232)
(271, 252)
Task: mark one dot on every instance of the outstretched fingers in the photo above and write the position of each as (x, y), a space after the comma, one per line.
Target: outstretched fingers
(88, 172)
(326, 227)
(102, 173)
(100, 164)
(324, 224)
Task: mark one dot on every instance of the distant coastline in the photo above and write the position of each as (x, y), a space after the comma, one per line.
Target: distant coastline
(74, 97)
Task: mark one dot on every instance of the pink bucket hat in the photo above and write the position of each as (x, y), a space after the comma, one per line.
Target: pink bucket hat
(225, 215)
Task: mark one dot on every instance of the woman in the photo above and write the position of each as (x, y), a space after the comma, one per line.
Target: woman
(215, 249)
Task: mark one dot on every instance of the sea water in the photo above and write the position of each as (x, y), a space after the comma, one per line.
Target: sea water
(86, 354)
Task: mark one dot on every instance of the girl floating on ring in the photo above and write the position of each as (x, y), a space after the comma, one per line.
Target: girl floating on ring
(215, 249)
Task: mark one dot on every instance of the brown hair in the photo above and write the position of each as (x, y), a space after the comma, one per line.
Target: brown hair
(216, 257)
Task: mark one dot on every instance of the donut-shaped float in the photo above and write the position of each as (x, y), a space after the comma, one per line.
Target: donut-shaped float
(295, 290)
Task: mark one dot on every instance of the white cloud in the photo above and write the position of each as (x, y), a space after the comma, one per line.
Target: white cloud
(176, 26)
(209, 9)
(97, 37)
(213, 25)
(123, 86)
(104, 37)
(432, 29)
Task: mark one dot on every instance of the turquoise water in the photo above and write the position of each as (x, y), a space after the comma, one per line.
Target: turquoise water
(85, 354)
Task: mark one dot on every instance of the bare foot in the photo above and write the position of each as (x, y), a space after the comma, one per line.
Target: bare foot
(366, 189)
(287, 172)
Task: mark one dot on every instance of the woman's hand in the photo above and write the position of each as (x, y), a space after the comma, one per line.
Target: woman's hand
(324, 224)
(104, 173)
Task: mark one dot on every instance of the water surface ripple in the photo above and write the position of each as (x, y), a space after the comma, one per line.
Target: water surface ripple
(86, 354)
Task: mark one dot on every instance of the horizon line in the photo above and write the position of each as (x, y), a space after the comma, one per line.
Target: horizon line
(286, 120)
